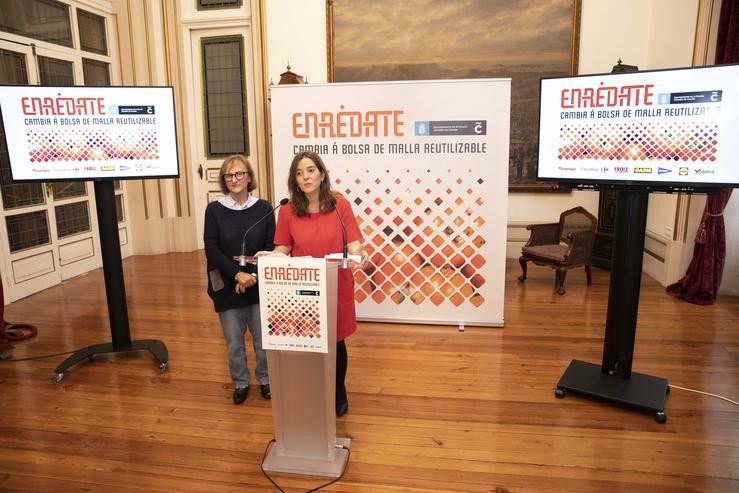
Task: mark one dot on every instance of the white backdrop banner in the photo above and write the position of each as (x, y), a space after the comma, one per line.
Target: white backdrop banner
(425, 167)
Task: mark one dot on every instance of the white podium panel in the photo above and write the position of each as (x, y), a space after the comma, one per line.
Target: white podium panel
(298, 309)
(294, 304)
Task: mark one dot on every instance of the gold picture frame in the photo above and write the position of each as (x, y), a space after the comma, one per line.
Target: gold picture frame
(359, 30)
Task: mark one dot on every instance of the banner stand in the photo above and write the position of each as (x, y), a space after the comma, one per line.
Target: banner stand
(422, 163)
(302, 380)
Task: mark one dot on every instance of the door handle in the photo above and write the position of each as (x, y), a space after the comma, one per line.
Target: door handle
(200, 171)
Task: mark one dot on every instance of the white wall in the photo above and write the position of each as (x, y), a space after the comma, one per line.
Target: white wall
(296, 34)
(730, 282)
(652, 35)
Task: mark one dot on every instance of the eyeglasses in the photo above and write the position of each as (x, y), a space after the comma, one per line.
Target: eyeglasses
(239, 175)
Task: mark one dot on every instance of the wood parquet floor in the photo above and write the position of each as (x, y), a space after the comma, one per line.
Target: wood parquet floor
(432, 409)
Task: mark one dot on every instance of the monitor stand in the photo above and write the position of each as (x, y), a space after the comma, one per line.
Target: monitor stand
(613, 380)
(115, 291)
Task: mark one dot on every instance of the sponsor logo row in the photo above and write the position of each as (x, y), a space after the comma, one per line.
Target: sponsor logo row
(103, 168)
(646, 170)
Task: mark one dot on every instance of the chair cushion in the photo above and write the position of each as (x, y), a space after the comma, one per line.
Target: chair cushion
(551, 253)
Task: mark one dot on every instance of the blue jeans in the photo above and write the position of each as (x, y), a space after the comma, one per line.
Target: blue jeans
(234, 323)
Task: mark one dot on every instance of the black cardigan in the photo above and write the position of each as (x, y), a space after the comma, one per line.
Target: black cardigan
(223, 230)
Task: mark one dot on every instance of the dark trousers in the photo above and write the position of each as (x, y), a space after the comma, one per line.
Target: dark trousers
(342, 361)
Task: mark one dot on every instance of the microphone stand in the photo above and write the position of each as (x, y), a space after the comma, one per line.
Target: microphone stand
(345, 246)
(242, 257)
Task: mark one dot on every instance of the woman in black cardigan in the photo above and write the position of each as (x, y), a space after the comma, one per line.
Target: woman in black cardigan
(234, 291)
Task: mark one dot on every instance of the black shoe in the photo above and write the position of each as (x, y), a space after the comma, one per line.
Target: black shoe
(240, 394)
(341, 409)
(265, 391)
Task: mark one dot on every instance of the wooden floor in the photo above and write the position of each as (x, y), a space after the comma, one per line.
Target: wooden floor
(432, 409)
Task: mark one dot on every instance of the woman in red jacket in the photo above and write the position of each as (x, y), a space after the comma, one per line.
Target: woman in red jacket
(308, 225)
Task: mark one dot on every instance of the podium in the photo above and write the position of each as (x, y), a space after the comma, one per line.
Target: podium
(298, 310)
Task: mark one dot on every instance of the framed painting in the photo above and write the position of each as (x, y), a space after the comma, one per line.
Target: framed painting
(439, 39)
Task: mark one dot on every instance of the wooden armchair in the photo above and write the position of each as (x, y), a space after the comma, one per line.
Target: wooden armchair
(562, 245)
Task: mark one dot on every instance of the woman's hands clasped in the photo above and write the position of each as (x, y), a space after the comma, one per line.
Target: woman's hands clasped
(244, 281)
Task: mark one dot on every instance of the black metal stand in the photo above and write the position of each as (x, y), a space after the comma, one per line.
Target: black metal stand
(603, 245)
(614, 381)
(115, 291)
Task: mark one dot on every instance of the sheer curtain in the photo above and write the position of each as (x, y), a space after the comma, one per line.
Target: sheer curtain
(703, 277)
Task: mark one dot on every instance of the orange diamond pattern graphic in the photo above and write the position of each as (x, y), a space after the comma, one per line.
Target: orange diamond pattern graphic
(293, 316)
(679, 141)
(91, 145)
(422, 238)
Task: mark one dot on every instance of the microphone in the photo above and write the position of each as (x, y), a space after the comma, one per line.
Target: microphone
(242, 257)
(345, 247)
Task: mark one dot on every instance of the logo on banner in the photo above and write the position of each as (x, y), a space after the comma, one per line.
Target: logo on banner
(327, 124)
(691, 97)
(422, 128)
(451, 127)
(307, 292)
(643, 170)
(291, 274)
(662, 171)
(683, 171)
(620, 169)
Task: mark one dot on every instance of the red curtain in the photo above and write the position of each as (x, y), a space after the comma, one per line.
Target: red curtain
(727, 40)
(703, 277)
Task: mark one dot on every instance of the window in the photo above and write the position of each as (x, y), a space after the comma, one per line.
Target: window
(95, 73)
(218, 4)
(55, 72)
(13, 68)
(27, 230)
(13, 71)
(72, 219)
(92, 32)
(45, 20)
(68, 189)
(225, 97)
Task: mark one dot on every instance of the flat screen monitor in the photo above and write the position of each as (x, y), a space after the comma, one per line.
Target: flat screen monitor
(673, 129)
(89, 133)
